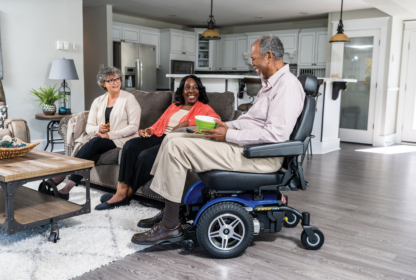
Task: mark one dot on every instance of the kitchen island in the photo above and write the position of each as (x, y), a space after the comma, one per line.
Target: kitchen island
(326, 124)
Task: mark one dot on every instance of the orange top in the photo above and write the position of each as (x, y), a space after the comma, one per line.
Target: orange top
(199, 109)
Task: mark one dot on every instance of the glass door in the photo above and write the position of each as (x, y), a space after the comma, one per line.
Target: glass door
(409, 119)
(360, 59)
(203, 54)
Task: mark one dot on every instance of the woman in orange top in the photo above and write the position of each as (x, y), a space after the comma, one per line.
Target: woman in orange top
(139, 154)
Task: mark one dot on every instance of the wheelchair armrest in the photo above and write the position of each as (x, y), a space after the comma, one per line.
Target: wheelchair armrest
(282, 149)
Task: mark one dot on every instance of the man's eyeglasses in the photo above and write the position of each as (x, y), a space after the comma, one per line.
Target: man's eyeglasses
(114, 81)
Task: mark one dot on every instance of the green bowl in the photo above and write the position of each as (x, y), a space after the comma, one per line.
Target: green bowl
(205, 122)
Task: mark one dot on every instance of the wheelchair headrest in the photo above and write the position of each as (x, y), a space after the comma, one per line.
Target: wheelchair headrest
(309, 83)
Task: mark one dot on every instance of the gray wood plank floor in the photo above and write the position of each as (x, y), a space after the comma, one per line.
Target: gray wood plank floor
(363, 202)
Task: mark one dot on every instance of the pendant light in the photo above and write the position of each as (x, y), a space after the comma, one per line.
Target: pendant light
(340, 37)
(210, 33)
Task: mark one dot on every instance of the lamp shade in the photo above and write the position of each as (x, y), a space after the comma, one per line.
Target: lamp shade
(210, 34)
(340, 38)
(63, 69)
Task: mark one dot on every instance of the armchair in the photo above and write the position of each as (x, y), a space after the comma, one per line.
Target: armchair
(14, 127)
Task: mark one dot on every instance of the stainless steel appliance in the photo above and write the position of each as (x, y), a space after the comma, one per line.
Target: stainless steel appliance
(181, 67)
(137, 63)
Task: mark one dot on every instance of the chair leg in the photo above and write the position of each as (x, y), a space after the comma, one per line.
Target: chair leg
(310, 146)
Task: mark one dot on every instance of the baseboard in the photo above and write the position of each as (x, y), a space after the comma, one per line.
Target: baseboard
(42, 145)
(325, 146)
(385, 141)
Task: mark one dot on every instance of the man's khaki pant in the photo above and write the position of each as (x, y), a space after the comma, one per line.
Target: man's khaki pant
(180, 152)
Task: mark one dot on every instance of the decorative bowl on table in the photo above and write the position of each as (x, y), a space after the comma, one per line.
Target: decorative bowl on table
(10, 148)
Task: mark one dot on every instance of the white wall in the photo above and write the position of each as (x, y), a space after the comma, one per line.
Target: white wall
(29, 31)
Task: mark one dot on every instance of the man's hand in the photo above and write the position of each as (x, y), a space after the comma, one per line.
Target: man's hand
(102, 135)
(217, 134)
(102, 129)
(182, 124)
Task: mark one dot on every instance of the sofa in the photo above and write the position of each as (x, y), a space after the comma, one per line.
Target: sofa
(14, 127)
(153, 104)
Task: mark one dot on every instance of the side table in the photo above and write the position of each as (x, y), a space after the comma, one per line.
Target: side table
(52, 126)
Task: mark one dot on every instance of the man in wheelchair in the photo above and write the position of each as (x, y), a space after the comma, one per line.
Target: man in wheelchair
(239, 163)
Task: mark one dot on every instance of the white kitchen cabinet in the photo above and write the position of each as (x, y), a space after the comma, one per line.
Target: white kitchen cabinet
(289, 39)
(306, 49)
(138, 34)
(131, 35)
(218, 55)
(176, 41)
(151, 37)
(205, 54)
(321, 44)
(189, 40)
(117, 33)
(233, 48)
(228, 53)
(312, 48)
(240, 49)
(182, 42)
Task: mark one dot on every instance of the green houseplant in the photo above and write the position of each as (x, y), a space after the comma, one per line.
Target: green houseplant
(47, 97)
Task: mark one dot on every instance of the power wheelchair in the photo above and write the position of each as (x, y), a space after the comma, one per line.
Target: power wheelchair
(226, 209)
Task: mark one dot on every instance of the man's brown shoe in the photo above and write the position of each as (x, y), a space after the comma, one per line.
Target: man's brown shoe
(150, 222)
(158, 234)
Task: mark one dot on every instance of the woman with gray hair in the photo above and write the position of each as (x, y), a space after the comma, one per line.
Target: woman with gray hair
(113, 119)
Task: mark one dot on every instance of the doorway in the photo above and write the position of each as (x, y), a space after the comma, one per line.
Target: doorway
(360, 62)
(409, 114)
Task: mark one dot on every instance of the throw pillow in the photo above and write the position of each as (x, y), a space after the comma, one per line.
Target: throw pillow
(3, 115)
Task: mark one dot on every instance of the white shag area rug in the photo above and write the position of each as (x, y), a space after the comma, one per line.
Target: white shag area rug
(87, 241)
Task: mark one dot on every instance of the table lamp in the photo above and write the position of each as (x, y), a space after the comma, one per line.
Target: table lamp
(64, 69)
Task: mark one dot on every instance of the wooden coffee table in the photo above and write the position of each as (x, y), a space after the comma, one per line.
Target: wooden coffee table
(22, 208)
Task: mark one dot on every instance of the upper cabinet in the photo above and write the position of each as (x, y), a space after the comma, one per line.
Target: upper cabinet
(312, 47)
(138, 34)
(182, 42)
(289, 39)
(204, 55)
(233, 48)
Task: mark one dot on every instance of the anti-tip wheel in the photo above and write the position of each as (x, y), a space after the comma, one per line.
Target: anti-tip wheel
(315, 245)
(291, 220)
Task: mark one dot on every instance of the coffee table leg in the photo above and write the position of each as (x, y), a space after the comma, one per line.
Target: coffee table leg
(9, 189)
(54, 235)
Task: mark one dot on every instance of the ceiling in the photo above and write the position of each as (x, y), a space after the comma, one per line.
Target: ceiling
(194, 13)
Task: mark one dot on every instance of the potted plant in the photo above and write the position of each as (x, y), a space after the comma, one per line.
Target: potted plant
(47, 97)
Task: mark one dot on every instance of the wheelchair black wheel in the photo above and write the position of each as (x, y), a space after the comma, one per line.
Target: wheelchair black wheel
(225, 230)
(292, 220)
(313, 246)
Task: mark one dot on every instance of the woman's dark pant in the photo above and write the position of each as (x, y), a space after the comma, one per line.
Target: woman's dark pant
(92, 151)
(137, 160)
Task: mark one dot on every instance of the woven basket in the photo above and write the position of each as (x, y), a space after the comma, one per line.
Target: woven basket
(16, 152)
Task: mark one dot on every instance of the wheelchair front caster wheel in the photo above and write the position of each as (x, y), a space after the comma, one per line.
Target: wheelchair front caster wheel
(313, 245)
(291, 221)
(189, 245)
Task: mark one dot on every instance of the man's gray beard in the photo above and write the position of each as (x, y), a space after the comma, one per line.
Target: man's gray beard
(261, 76)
